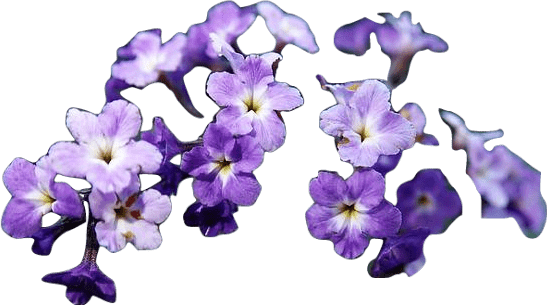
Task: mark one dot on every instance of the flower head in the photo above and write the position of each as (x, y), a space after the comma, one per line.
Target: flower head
(145, 58)
(250, 97)
(105, 151)
(287, 28)
(428, 201)
(351, 212)
(129, 216)
(34, 194)
(366, 126)
(83, 282)
(223, 167)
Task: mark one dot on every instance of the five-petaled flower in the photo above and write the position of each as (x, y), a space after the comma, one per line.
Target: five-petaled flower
(105, 152)
(223, 167)
(129, 216)
(144, 58)
(34, 194)
(428, 201)
(250, 97)
(366, 127)
(351, 212)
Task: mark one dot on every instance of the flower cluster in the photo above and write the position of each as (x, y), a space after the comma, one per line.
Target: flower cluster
(509, 187)
(110, 151)
(371, 136)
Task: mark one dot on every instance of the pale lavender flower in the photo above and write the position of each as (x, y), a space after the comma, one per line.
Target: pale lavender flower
(366, 126)
(250, 97)
(129, 216)
(105, 152)
(223, 167)
(414, 113)
(351, 212)
(146, 58)
(287, 28)
(34, 194)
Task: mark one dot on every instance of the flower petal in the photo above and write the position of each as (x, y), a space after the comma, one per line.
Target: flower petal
(120, 120)
(242, 189)
(328, 189)
(20, 177)
(22, 218)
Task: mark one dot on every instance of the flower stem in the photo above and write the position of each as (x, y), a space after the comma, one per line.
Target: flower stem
(91, 245)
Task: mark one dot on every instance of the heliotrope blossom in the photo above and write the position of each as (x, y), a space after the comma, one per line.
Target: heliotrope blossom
(34, 194)
(145, 58)
(287, 28)
(351, 212)
(223, 167)
(251, 98)
(366, 126)
(105, 151)
(428, 201)
(129, 216)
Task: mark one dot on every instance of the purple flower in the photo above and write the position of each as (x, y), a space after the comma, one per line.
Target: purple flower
(105, 152)
(414, 113)
(351, 212)
(428, 201)
(34, 194)
(399, 36)
(223, 167)
(147, 58)
(251, 98)
(287, 28)
(386, 164)
(401, 253)
(354, 38)
(129, 216)
(83, 282)
(519, 192)
(366, 125)
(212, 221)
(226, 20)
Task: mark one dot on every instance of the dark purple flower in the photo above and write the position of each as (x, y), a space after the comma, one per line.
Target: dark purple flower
(401, 253)
(212, 221)
(428, 201)
(83, 282)
(223, 167)
(414, 113)
(386, 164)
(351, 212)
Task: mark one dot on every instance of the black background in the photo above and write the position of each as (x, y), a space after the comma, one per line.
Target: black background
(63, 60)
